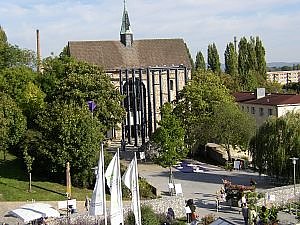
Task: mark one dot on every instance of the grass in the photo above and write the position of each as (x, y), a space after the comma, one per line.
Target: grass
(14, 184)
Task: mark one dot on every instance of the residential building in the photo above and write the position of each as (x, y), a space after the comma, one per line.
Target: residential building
(147, 72)
(284, 77)
(261, 105)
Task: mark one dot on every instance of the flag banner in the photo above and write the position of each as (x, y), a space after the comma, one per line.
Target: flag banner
(113, 178)
(97, 205)
(68, 180)
(130, 179)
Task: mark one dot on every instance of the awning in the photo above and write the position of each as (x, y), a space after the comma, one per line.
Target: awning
(34, 211)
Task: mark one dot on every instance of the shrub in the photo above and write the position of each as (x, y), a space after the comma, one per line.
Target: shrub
(148, 217)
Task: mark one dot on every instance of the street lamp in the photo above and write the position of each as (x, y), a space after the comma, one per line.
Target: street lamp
(294, 160)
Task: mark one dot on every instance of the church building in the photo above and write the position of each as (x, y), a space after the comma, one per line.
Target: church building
(147, 72)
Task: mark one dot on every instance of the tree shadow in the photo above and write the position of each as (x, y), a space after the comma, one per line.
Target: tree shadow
(49, 190)
(12, 169)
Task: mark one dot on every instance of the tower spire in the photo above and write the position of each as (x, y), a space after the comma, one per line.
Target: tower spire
(126, 34)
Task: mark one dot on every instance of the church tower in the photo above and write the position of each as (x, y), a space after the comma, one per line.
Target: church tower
(126, 34)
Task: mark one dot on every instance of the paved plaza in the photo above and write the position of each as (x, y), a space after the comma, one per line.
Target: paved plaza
(202, 187)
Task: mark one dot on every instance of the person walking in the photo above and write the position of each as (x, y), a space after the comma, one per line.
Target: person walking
(245, 213)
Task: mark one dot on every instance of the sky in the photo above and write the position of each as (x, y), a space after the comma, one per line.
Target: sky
(198, 22)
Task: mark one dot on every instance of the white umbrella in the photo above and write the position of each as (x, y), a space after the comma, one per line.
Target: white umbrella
(26, 215)
(43, 208)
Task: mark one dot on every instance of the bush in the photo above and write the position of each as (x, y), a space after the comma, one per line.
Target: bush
(148, 217)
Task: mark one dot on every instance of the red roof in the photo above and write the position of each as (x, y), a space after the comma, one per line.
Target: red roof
(269, 99)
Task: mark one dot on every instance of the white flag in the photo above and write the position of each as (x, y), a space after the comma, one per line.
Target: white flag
(130, 179)
(113, 178)
(98, 204)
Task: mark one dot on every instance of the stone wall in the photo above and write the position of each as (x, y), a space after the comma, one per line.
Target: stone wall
(161, 205)
(279, 196)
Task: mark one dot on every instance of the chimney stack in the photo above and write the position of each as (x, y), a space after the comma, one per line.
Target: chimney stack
(38, 51)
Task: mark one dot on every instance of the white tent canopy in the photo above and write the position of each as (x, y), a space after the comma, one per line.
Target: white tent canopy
(25, 214)
(34, 211)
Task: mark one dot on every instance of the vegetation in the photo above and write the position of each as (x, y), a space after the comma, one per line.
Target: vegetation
(213, 59)
(200, 62)
(169, 139)
(276, 141)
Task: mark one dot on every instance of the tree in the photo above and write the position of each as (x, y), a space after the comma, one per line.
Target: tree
(231, 127)
(276, 141)
(200, 62)
(3, 37)
(65, 133)
(231, 60)
(169, 139)
(260, 58)
(79, 82)
(21, 83)
(195, 104)
(213, 59)
(12, 123)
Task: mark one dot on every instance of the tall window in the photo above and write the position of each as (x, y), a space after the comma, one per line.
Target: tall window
(270, 112)
(171, 85)
(252, 110)
(261, 111)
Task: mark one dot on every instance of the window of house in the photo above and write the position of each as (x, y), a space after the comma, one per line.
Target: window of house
(270, 112)
(243, 107)
(171, 85)
(252, 110)
(247, 108)
(261, 111)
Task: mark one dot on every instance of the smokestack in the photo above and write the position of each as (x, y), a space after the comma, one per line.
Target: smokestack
(38, 52)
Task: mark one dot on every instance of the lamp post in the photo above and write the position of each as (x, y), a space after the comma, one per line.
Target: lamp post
(294, 161)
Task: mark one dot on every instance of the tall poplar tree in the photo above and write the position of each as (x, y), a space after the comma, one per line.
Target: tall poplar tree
(231, 60)
(200, 62)
(213, 59)
(260, 58)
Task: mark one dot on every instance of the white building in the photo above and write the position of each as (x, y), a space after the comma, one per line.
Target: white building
(284, 77)
(262, 105)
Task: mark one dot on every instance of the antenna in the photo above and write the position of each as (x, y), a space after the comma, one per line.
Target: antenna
(235, 43)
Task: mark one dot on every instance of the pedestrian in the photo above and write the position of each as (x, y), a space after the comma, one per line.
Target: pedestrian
(170, 215)
(245, 213)
(87, 203)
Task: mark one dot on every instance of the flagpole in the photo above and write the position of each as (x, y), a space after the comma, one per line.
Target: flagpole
(103, 182)
(137, 190)
(120, 186)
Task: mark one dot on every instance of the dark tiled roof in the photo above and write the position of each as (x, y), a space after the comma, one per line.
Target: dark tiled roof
(243, 96)
(269, 99)
(113, 55)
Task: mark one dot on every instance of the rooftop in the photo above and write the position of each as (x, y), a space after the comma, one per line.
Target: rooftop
(269, 99)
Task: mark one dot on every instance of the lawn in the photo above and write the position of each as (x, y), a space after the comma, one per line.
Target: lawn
(14, 184)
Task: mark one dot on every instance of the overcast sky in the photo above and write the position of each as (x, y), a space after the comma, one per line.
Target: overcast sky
(198, 22)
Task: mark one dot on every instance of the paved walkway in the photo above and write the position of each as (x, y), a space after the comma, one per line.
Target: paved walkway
(202, 187)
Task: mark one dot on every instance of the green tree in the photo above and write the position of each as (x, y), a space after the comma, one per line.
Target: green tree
(213, 59)
(169, 139)
(261, 58)
(3, 37)
(21, 83)
(12, 123)
(69, 134)
(231, 60)
(200, 62)
(231, 127)
(79, 82)
(195, 104)
(276, 141)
